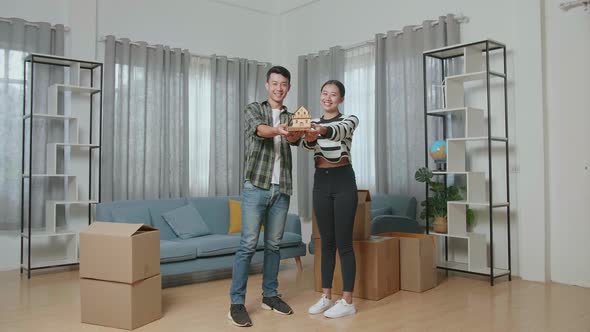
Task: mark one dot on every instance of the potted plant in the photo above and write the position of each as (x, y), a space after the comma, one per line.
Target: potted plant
(437, 203)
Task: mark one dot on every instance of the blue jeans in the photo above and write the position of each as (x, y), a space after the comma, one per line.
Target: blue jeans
(259, 207)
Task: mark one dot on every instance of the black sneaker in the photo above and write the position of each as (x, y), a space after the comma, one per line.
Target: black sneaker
(277, 305)
(238, 315)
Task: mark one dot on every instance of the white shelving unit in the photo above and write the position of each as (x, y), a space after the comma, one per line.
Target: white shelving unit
(477, 128)
(70, 162)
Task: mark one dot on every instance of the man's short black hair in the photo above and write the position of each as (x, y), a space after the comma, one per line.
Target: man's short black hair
(279, 70)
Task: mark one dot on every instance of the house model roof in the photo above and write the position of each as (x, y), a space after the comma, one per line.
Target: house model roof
(301, 113)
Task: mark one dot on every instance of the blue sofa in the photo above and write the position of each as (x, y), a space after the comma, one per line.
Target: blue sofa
(391, 213)
(184, 261)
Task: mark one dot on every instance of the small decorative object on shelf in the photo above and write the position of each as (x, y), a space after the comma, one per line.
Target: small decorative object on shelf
(301, 120)
(438, 152)
(70, 161)
(447, 206)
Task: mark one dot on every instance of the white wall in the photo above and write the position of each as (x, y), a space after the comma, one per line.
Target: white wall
(326, 23)
(35, 10)
(567, 68)
(202, 26)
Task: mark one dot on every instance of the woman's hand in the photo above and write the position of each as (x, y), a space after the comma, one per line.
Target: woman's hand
(320, 129)
(312, 135)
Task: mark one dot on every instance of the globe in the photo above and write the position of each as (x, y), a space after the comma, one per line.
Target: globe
(438, 151)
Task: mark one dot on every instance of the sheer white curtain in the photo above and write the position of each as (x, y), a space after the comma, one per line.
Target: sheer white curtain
(359, 80)
(199, 101)
(18, 38)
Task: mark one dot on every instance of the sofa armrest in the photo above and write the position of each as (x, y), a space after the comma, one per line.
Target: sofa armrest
(384, 224)
(293, 224)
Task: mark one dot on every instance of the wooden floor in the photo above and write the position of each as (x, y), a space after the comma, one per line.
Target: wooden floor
(50, 302)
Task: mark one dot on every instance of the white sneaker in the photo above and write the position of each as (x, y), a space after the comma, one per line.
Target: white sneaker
(321, 305)
(340, 309)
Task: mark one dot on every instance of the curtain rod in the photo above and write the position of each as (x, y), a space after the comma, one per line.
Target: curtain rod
(103, 39)
(460, 18)
(31, 24)
(573, 4)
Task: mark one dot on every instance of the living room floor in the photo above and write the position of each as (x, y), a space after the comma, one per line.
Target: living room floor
(50, 302)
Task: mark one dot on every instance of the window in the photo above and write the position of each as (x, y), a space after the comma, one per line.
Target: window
(359, 79)
(199, 125)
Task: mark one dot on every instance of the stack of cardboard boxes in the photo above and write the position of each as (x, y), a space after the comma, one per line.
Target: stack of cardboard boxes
(120, 281)
(385, 263)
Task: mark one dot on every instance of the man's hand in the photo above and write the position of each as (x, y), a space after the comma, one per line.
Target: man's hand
(294, 136)
(280, 130)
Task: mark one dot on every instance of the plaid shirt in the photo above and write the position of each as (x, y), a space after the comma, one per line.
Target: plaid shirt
(259, 156)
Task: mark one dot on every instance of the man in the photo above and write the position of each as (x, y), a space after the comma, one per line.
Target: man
(266, 194)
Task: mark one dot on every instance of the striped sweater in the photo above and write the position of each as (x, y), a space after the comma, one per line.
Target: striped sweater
(338, 140)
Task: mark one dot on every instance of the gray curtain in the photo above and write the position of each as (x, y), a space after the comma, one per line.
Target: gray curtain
(313, 71)
(399, 118)
(235, 83)
(18, 38)
(145, 121)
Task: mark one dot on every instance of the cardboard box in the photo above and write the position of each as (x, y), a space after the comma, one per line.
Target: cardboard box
(362, 219)
(121, 305)
(417, 261)
(119, 252)
(377, 268)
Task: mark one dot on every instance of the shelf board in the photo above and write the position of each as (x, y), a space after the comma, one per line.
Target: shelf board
(49, 116)
(451, 173)
(71, 202)
(75, 88)
(77, 145)
(49, 176)
(479, 75)
(444, 111)
(481, 138)
(457, 236)
(463, 267)
(498, 204)
(48, 234)
(61, 61)
(457, 50)
(449, 235)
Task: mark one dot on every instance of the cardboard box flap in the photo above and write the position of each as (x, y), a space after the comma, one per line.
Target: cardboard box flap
(117, 229)
(364, 196)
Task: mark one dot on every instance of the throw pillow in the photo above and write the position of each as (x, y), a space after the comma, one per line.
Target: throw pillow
(235, 217)
(186, 222)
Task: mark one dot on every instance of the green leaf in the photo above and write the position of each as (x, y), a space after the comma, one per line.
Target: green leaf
(470, 214)
(423, 175)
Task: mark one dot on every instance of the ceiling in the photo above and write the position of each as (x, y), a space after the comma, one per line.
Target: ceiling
(271, 7)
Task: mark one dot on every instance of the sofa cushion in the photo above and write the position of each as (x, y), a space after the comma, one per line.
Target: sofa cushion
(132, 215)
(156, 211)
(215, 212)
(213, 244)
(384, 211)
(289, 240)
(172, 251)
(186, 222)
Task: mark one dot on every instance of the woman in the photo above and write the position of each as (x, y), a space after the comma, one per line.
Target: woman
(334, 197)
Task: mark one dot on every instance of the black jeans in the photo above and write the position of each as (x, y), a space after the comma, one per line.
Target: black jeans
(334, 201)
